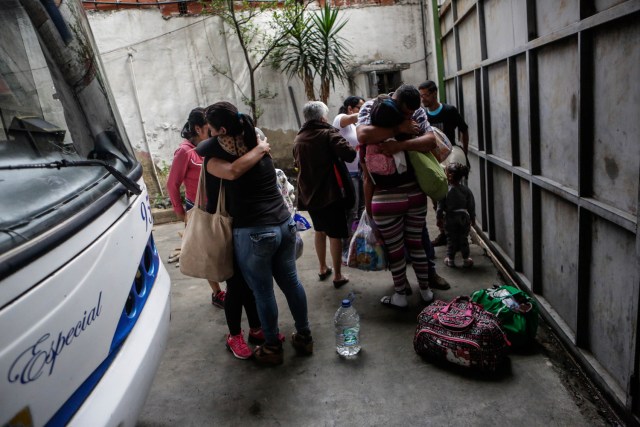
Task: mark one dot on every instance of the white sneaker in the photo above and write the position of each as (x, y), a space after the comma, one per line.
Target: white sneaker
(399, 300)
(396, 300)
(427, 295)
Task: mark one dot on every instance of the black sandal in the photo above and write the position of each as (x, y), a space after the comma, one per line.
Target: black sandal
(386, 301)
(339, 283)
(323, 276)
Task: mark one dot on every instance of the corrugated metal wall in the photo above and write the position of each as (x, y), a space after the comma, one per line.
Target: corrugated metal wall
(551, 94)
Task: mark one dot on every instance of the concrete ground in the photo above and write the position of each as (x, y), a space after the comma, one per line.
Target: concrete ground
(200, 383)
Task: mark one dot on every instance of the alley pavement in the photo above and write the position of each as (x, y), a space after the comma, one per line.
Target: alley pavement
(200, 383)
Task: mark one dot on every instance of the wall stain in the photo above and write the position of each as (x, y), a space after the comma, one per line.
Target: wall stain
(409, 41)
(255, 408)
(611, 167)
(574, 106)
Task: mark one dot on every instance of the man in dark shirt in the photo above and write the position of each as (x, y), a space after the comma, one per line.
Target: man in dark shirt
(446, 118)
(443, 116)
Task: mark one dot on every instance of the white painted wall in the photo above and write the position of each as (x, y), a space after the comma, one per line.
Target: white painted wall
(171, 60)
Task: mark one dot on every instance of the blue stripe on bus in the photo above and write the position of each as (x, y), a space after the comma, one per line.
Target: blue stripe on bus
(138, 294)
(142, 283)
(76, 400)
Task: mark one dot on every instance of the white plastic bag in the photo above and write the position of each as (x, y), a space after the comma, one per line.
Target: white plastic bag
(457, 156)
(401, 161)
(366, 250)
(443, 145)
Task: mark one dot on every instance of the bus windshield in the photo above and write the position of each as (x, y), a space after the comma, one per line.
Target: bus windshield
(55, 110)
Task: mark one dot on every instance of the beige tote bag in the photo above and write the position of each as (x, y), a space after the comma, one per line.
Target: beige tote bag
(207, 244)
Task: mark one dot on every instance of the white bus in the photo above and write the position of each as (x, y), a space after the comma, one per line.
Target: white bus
(84, 297)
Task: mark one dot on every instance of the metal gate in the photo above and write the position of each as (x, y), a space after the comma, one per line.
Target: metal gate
(551, 94)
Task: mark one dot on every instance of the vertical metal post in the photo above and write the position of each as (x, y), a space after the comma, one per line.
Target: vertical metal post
(482, 29)
(532, 21)
(536, 192)
(144, 131)
(513, 111)
(515, 161)
(516, 182)
(479, 113)
(585, 184)
(424, 39)
(486, 118)
(295, 106)
(438, 43)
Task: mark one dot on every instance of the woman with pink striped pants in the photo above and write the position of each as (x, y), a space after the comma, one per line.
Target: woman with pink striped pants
(394, 201)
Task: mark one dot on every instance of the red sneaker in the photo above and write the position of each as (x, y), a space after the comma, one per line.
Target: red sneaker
(218, 299)
(257, 337)
(237, 346)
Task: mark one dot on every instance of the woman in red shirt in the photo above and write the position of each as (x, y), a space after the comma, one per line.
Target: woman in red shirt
(185, 169)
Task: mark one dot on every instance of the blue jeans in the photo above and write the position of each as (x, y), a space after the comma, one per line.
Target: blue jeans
(265, 253)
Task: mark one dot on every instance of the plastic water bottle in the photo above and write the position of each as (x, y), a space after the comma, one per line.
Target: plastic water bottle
(347, 324)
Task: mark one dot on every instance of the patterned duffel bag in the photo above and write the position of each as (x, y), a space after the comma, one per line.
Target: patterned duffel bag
(461, 332)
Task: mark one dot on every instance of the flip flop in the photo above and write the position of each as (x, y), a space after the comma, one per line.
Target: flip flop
(386, 301)
(323, 276)
(339, 283)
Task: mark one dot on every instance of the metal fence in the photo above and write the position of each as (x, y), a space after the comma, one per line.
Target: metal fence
(551, 94)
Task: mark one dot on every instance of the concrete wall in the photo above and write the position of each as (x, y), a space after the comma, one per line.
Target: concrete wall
(549, 92)
(171, 60)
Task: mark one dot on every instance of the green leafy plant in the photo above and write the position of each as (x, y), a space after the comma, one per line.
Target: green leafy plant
(258, 38)
(160, 202)
(296, 57)
(333, 49)
(313, 49)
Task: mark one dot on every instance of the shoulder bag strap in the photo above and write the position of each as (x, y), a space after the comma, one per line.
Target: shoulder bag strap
(202, 188)
(221, 208)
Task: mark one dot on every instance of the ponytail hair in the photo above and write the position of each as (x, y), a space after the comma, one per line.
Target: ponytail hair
(350, 101)
(226, 115)
(196, 118)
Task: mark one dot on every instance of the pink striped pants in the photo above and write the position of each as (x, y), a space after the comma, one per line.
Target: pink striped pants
(399, 214)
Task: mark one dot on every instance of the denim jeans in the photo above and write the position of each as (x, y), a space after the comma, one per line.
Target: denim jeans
(265, 253)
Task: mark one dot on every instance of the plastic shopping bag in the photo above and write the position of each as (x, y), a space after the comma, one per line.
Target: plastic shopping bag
(301, 222)
(443, 145)
(366, 250)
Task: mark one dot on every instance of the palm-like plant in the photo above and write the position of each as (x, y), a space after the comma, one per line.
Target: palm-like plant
(295, 56)
(312, 49)
(333, 49)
